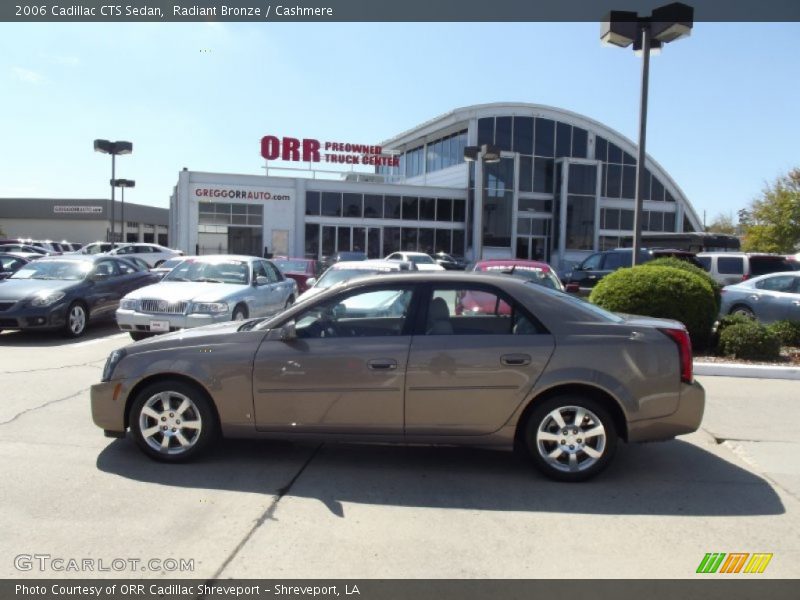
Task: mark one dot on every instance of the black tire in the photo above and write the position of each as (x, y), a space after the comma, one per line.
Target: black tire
(166, 416)
(239, 313)
(77, 320)
(139, 335)
(746, 311)
(592, 453)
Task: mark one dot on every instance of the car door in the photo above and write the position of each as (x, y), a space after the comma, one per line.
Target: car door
(469, 370)
(344, 372)
(588, 272)
(282, 285)
(103, 295)
(774, 297)
(262, 299)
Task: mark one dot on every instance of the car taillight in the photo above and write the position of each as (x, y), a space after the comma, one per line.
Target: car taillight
(684, 343)
(745, 277)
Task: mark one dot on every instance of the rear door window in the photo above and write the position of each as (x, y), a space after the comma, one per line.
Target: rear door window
(761, 265)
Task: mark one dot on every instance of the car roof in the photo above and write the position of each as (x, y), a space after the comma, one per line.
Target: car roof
(360, 265)
(222, 257)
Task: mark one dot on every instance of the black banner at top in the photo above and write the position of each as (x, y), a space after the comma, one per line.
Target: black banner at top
(379, 10)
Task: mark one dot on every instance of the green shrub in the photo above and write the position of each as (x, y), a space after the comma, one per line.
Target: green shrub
(788, 332)
(661, 291)
(749, 341)
(671, 261)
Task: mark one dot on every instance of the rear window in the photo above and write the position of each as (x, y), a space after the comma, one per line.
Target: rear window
(761, 265)
(730, 265)
(705, 262)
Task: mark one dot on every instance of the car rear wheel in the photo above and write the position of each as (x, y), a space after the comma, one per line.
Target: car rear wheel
(172, 421)
(289, 302)
(744, 311)
(570, 437)
(77, 317)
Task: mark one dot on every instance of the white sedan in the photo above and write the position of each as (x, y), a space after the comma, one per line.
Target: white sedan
(152, 254)
(424, 262)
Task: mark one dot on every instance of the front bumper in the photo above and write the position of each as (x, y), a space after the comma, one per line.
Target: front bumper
(108, 401)
(21, 316)
(131, 320)
(685, 419)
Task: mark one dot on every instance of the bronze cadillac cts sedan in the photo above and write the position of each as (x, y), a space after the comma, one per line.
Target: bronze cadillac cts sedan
(400, 359)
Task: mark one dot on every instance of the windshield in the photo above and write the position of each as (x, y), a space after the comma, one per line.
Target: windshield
(168, 264)
(291, 266)
(225, 271)
(54, 269)
(420, 260)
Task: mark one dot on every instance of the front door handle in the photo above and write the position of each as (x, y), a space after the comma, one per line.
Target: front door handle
(515, 360)
(382, 364)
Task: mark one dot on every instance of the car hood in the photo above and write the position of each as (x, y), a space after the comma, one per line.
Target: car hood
(19, 289)
(186, 291)
(191, 336)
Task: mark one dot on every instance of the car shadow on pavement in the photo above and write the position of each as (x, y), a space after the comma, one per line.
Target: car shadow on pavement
(52, 338)
(670, 478)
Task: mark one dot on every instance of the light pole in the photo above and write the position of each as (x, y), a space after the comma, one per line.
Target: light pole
(623, 28)
(113, 148)
(123, 183)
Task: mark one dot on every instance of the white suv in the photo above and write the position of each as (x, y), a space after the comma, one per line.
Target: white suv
(152, 254)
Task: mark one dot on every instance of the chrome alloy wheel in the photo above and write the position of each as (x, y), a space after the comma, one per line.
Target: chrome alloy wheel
(77, 319)
(571, 439)
(170, 422)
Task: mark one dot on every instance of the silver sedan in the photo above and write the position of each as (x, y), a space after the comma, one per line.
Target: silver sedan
(206, 289)
(769, 298)
(391, 359)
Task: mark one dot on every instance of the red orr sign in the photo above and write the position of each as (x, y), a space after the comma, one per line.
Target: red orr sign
(310, 150)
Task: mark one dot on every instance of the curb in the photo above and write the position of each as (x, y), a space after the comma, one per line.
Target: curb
(757, 371)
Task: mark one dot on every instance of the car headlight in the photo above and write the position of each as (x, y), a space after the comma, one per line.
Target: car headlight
(209, 307)
(129, 304)
(111, 364)
(47, 298)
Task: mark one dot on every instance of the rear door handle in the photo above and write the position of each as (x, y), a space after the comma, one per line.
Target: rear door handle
(515, 360)
(382, 364)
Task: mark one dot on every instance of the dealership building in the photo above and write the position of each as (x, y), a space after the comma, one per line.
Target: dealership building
(562, 186)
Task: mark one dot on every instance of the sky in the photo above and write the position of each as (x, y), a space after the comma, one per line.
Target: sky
(722, 120)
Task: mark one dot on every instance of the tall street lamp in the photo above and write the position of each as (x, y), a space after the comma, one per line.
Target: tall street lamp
(113, 148)
(623, 28)
(123, 183)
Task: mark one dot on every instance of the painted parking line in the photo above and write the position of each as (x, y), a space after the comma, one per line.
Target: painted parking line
(116, 336)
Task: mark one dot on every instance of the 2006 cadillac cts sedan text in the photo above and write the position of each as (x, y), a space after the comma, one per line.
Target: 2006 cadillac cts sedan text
(389, 359)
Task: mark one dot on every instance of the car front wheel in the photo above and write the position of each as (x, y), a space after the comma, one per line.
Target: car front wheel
(570, 438)
(77, 318)
(172, 421)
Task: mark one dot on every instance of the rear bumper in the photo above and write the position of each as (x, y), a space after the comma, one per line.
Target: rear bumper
(685, 419)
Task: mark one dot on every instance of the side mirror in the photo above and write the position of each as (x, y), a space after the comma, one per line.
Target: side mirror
(311, 281)
(261, 280)
(288, 332)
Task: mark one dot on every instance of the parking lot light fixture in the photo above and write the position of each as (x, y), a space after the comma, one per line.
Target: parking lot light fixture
(624, 28)
(114, 149)
(123, 183)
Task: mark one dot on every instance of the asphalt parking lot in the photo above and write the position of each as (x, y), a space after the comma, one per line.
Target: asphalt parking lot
(266, 509)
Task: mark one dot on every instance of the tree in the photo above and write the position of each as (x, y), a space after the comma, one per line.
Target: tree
(723, 224)
(774, 218)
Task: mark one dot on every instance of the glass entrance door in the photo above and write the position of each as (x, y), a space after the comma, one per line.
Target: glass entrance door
(533, 238)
